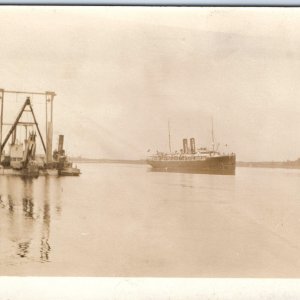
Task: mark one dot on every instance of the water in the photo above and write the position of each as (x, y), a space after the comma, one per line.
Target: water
(122, 220)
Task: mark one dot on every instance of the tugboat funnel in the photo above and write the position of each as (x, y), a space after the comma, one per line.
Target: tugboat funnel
(60, 143)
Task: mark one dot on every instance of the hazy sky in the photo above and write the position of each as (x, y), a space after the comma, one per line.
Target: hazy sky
(121, 73)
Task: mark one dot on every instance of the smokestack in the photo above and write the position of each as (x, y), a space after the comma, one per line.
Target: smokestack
(13, 137)
(193, 147)
(60, 143)
(185, 146)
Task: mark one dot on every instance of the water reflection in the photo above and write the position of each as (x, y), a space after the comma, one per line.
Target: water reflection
(23, 249)
(45, 246)
(27, 199)
(10, 204)
(26, 205)
(58, 192)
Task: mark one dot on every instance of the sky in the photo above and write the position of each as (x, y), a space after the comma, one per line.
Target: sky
(122, 73)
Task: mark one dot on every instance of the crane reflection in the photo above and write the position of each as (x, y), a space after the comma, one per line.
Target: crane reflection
(26, 203)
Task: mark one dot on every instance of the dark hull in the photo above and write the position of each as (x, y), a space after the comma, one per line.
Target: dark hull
(69, 172)
(33, 174)
(212, 165)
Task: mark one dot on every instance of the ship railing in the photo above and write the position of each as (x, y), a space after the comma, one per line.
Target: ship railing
(163, 157)
(197, 156)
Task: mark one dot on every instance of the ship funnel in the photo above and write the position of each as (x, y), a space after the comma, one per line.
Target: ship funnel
(185, 146)
(60, 143)
(193, 147)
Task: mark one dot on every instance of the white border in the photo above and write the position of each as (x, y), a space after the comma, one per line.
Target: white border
(85, 288)
(157, 2)
(91, 288)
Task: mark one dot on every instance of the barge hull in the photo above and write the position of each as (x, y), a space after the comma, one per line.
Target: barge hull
(13, 172)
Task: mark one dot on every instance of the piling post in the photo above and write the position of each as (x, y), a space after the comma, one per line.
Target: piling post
(49, 125)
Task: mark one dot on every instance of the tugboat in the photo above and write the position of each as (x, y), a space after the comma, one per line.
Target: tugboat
(62, 164)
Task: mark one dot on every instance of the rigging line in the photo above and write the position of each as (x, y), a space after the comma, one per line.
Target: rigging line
(212, 130)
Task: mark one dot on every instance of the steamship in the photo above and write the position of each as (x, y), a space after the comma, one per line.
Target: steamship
(193, 160)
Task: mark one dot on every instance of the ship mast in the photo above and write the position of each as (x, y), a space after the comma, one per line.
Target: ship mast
(170, 149)
(212, 134)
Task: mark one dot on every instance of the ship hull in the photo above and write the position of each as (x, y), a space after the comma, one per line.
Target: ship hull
(224, 164)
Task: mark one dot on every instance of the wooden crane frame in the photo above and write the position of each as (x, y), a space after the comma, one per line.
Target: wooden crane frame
(49, 96)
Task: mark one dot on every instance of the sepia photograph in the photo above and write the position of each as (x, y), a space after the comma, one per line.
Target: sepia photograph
(149, 142)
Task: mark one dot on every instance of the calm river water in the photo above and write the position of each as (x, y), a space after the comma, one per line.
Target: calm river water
(122, 220)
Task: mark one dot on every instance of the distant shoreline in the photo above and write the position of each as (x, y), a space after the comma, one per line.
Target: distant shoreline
(267, 164)
(114, 161)
(270, 164)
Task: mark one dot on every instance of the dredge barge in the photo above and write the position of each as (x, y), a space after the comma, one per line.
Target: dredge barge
(18, 157)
